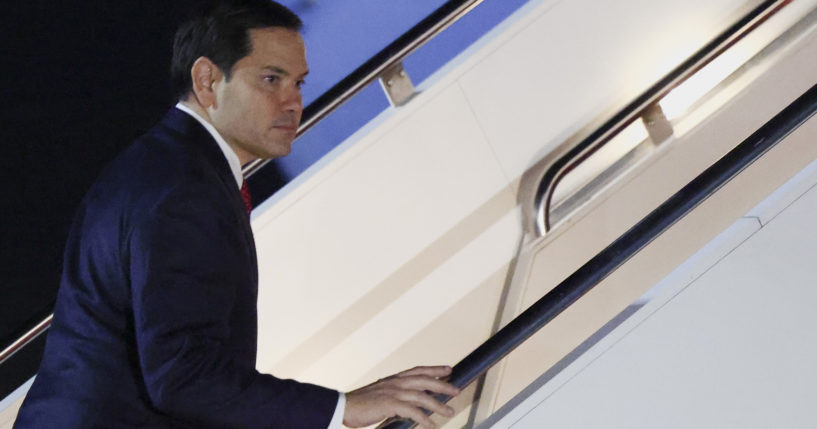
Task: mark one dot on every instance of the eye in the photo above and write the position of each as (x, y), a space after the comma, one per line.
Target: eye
(271, 78)
(300, 84)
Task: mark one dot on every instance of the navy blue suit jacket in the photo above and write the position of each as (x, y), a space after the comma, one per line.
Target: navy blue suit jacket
(155, 324)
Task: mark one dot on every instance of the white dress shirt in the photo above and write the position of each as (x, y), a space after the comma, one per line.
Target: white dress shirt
(235, 167)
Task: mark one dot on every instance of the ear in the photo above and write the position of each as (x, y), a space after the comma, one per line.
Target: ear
(205, 74)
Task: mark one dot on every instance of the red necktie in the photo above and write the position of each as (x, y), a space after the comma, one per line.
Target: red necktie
(245, 195)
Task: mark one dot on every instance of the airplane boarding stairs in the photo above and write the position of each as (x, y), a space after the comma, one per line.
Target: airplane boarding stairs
(418, 238)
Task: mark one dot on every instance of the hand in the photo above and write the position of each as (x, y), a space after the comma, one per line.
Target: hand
(400, 395)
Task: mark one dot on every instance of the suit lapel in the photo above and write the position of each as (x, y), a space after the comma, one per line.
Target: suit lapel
(190, 131)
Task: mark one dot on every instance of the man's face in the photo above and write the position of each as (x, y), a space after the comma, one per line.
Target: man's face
(259, 109)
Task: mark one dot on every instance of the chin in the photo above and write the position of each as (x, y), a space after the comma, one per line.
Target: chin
(278, 152)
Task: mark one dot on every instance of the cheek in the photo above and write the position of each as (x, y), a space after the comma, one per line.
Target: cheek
(243, 113)
(230, 108)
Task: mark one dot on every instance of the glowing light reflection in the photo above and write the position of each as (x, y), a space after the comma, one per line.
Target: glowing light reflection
(693, 89)
(611, 152)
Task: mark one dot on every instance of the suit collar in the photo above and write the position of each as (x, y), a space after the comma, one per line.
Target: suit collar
(229, 154)
(190, 131)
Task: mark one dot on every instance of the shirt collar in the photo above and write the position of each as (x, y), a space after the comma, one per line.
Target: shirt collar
(232, 158)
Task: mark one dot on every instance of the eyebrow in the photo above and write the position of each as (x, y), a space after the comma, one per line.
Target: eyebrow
(276, 69)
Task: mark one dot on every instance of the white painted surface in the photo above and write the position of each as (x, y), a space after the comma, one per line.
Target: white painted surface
(429, 298)
(11, 404)
(384, 206)
(755, 98)
(734, 348)
(375, 235)
(792, 190)
(579, 59)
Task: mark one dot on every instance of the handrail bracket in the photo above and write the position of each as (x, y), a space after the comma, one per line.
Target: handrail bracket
(656, 123)
(397, 85)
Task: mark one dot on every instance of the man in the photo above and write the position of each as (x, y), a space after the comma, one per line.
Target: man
(155, 324)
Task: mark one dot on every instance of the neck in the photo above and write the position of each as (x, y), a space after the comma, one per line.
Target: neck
(193, 104)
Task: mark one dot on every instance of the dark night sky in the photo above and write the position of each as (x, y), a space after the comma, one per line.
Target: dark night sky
(81, 80)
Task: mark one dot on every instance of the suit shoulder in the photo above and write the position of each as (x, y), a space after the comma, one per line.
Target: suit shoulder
(158, 165)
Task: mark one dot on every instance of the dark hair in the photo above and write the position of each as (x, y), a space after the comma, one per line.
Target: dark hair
(219, 30)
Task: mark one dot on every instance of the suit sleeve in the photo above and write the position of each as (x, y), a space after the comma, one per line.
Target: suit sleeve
(185, 266)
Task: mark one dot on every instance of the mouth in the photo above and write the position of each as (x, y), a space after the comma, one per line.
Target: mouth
(286, 127)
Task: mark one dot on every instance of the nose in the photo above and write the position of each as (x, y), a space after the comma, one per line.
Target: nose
(292, 100)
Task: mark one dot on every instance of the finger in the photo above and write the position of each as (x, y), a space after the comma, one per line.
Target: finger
(431, 371)
(421, 383)
(415, 414)
(419, 399)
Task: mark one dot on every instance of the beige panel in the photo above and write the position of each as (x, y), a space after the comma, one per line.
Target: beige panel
(557, 75)
(686, 158)
(446, 340)
(450, 336)
(357, 227)
(771, 207)
(733, 348)
(8, 415)
(375, 342)
(656, 261)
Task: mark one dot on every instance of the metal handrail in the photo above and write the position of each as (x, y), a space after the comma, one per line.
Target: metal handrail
(25, 339)
(627, 245)
(566, 293)
(367, 73)
(569, 155)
